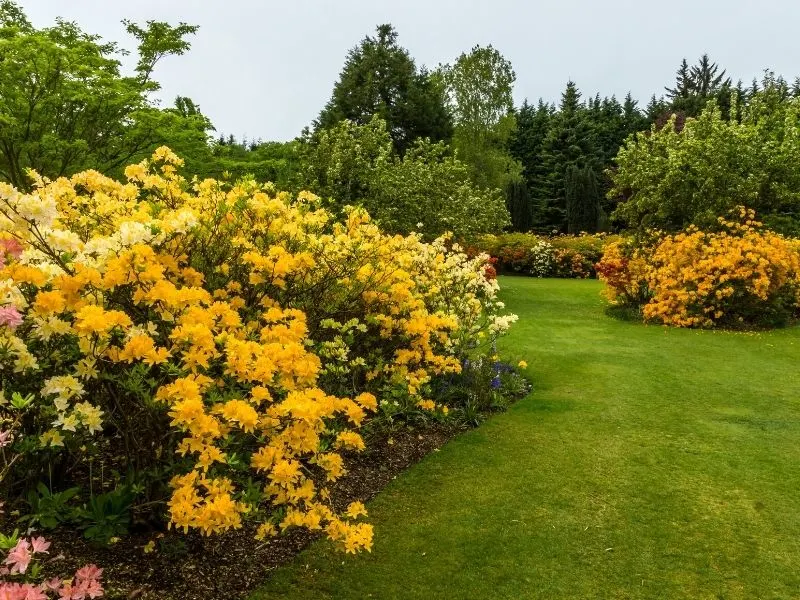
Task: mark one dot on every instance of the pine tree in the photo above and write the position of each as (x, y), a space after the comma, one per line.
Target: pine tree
(527, 146)
(632, 117)
(582, 200)
(380, 78)
(683, 83)
(696, 85)
(706, 82)
(519, 206)
(570, 142)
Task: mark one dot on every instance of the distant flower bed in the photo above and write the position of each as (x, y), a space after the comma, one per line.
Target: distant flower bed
(568, 256)
(738, 276)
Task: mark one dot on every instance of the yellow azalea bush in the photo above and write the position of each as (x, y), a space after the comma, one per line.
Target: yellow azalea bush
(228, 339)
(739, 275)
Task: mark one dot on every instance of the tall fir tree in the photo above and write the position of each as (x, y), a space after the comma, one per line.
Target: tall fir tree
(582, 200)
(570, 142)
(695, 86)
(380, 78)
(527, 146)
(519, 207)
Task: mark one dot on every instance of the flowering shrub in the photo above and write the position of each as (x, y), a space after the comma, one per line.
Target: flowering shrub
(20, 577)
(540, 259)
(737, 276)
(228, 339)
(623, 268)
(557, 256)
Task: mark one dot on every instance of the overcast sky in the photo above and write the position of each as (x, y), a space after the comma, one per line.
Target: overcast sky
(265, 68)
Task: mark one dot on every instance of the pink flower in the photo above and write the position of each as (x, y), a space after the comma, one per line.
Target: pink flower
(11, 246)
(39, 544)
(51, 585)
(19, 557)
(92, 588)
(89, 572)
(20, 591)
(12, 591)
(6, 437)
(68, 592)
(10, 317)
(33, 593)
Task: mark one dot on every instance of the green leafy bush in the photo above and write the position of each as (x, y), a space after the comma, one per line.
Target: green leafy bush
(672, 177)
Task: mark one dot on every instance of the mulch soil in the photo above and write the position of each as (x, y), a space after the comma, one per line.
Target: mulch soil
(229, 566)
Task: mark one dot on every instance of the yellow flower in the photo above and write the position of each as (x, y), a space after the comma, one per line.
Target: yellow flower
(356, 509)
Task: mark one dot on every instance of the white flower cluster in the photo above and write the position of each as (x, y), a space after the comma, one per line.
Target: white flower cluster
(542, 259)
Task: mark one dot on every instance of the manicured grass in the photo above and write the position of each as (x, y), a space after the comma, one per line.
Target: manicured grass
(647, 463)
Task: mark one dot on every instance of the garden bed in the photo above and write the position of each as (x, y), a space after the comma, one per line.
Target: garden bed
(189, 567)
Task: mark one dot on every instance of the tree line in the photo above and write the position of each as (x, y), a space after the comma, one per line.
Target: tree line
(423, 148)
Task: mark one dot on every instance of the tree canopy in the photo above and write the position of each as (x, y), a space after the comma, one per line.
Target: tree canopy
(379, 78)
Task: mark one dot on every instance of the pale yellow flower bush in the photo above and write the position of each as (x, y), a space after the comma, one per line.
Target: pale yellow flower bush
(234, 325)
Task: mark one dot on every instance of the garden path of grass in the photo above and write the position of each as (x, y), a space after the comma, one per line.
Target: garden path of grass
(647, 463)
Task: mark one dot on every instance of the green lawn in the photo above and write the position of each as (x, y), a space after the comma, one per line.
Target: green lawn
(647, 463)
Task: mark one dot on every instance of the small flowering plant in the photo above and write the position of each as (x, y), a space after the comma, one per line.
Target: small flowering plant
(20, 573)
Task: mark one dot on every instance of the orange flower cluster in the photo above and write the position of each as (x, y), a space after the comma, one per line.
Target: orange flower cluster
(740, 275)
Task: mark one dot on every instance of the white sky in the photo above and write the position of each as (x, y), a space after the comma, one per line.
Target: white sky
(265, 68)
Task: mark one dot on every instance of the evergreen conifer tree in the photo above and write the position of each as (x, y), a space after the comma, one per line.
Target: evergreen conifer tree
(519, 206)
(582, 200)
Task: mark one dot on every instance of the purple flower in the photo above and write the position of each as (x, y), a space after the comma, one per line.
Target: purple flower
(496, 382)
(10, 317)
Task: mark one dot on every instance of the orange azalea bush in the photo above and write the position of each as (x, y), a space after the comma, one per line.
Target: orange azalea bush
(229, 338)
(623, 268)
(740, 275)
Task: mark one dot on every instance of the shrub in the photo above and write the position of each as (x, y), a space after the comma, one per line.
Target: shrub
(738, 276)
(673, 177)
(426, 190)
(623, 268)
(540, 259)
(557, 256)
(224, 342)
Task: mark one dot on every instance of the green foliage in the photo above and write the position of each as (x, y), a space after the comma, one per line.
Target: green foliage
(479, 89)
(430, 191)
(696, 85)
(669, 179)
(48, 509)
(9, 541)
(570, 143)
(527, 146)
(276, 162)
(107, 515)
(339, 162)
(582, 199)
(64, 104)
(518, 203)
(157, 40)
(550, 142)
(380, 79)
(427, 190)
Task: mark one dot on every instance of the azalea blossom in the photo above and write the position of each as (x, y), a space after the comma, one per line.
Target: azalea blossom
(10, 317)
